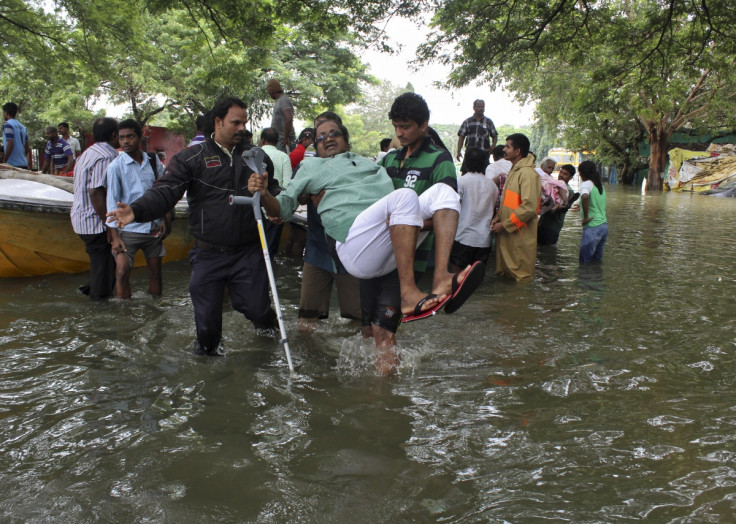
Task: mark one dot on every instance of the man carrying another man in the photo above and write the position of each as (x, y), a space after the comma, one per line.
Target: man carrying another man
(373, 230)
(129, 176)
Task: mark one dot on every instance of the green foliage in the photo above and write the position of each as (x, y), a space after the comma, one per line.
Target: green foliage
(600, 72)
(168, 61)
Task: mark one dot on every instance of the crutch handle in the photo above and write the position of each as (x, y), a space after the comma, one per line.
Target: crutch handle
(254, 201)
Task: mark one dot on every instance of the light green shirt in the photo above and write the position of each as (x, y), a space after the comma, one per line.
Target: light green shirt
(596, 204)
(351, 183)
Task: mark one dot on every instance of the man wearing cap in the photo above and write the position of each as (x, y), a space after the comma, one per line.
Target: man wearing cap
(283, 115)
(306, 139)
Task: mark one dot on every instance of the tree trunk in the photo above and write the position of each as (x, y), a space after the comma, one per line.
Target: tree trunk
(658, 142)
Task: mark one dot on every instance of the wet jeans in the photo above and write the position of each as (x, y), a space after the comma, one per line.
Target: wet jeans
(592, 242)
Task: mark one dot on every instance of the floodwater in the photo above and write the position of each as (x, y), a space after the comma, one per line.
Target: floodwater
(593, 394)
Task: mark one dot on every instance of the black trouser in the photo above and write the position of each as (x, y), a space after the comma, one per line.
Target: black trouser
(243, 271)
(101, 265)
(380, 301)
(273, 236)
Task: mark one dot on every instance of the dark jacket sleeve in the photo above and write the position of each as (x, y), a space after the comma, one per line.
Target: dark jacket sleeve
(165, 192)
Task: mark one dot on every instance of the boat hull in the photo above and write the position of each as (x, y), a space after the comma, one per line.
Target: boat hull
(38, 239)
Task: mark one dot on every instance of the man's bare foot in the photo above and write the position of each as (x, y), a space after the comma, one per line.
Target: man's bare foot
(410, 300)
(443, 282)
(306, 325)
(387, 361)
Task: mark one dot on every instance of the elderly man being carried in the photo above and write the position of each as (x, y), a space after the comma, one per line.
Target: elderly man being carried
(373, 232)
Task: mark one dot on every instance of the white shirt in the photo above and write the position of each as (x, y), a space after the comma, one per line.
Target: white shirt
(498, 168)
(281, 164)
(478, 196)
(76, 147)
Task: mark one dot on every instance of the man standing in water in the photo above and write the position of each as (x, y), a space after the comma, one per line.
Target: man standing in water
(420, 165)
(227, 250)
(516, 223)
(550, 223)
(128, 177)
(372, 229)
(88, 209)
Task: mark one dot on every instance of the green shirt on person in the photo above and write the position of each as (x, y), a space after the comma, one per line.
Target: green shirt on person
(351, 182)
(596, 204)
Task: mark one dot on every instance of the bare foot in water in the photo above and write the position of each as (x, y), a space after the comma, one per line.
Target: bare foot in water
(387, 361)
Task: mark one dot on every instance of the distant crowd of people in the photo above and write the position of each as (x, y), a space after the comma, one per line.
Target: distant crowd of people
(374, 227)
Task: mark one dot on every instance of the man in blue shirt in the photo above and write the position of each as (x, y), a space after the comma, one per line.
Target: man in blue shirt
(58, 155)
(128, 177)
(16, 150)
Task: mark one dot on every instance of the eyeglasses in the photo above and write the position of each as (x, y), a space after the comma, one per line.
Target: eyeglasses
(332, 134)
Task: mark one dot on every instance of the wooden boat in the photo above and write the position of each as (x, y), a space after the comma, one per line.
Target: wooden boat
(36, 235)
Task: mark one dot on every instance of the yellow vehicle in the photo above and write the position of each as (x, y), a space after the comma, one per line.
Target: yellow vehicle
(566, 156)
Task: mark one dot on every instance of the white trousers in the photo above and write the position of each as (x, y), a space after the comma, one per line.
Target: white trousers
(367, 251)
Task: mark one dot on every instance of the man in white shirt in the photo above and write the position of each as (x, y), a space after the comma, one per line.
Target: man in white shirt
(499, 167)
(73, 142)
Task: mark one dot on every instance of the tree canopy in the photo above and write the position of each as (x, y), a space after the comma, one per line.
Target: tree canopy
(168, 60)
(599, 71)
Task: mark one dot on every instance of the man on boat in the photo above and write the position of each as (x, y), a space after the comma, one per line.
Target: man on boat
(477, 131)
(89, 208)
(227, 250)
(283, 115)
(128, 177)
(16, 151)
(58, 155)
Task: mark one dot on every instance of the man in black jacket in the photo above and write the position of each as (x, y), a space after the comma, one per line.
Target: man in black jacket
(227, 248)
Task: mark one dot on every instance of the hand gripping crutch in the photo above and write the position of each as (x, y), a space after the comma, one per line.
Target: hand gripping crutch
(254, 160)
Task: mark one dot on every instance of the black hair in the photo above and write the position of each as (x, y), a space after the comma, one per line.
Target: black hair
(208, 124)
(328, 115)
(410, 106)
(308, 132)
(222, 106)
(436, 140)
(52, 129)
(199, 122)
(475, 161)
(270, 136)
(385, 144)
(131, 124)
(104, 129)
(569, 168)
(588, 171)
(519, 141)
(497, 152)
(64, 124)
(11, 109)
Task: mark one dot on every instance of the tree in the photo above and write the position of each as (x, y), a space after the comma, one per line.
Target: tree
(168, 60)
(670, 63)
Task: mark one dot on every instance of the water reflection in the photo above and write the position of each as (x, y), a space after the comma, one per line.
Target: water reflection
(594, 393)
